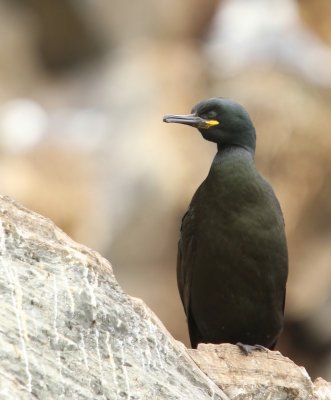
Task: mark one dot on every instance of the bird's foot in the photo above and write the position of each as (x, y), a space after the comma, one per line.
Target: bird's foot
(248, 348)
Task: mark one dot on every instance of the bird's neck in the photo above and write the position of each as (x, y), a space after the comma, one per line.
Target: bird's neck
(229, 149)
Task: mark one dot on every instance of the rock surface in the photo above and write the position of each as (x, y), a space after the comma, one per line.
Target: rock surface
(68, 331)
(261, 375)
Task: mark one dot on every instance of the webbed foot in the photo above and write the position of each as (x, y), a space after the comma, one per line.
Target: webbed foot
(248, 348)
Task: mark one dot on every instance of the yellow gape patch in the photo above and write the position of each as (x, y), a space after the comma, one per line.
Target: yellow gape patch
(212, 122)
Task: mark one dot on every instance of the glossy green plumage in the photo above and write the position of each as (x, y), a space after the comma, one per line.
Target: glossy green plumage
(232, 252)
(232, 259)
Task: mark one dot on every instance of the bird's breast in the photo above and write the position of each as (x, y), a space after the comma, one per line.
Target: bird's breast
(237, 218)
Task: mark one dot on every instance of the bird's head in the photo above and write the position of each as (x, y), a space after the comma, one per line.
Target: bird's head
(220, 120)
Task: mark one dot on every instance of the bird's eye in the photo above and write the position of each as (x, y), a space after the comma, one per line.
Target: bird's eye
(211, 114)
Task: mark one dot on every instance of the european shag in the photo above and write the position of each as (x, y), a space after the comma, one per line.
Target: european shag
(232, 254)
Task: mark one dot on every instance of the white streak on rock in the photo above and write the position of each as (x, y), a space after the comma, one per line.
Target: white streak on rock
(16, 295)
(83, 349)
(112, 362)
(142, 357)
(56, 334)
(55, 310)
(125, 372)
(66, 283)
(98, 354)
(2, 239)
(152, 331)
(89, 286)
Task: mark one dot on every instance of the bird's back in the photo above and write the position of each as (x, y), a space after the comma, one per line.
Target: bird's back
(232, 256)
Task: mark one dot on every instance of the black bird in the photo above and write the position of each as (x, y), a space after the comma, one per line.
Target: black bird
(232, 254)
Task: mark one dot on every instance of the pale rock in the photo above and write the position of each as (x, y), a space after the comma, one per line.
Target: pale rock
(68, 331)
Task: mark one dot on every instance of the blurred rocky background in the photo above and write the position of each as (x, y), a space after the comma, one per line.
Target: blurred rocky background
(83, 88)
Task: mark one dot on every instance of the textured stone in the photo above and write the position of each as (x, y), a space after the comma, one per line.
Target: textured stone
(68, 331)
(258, 376)
(322, 389)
